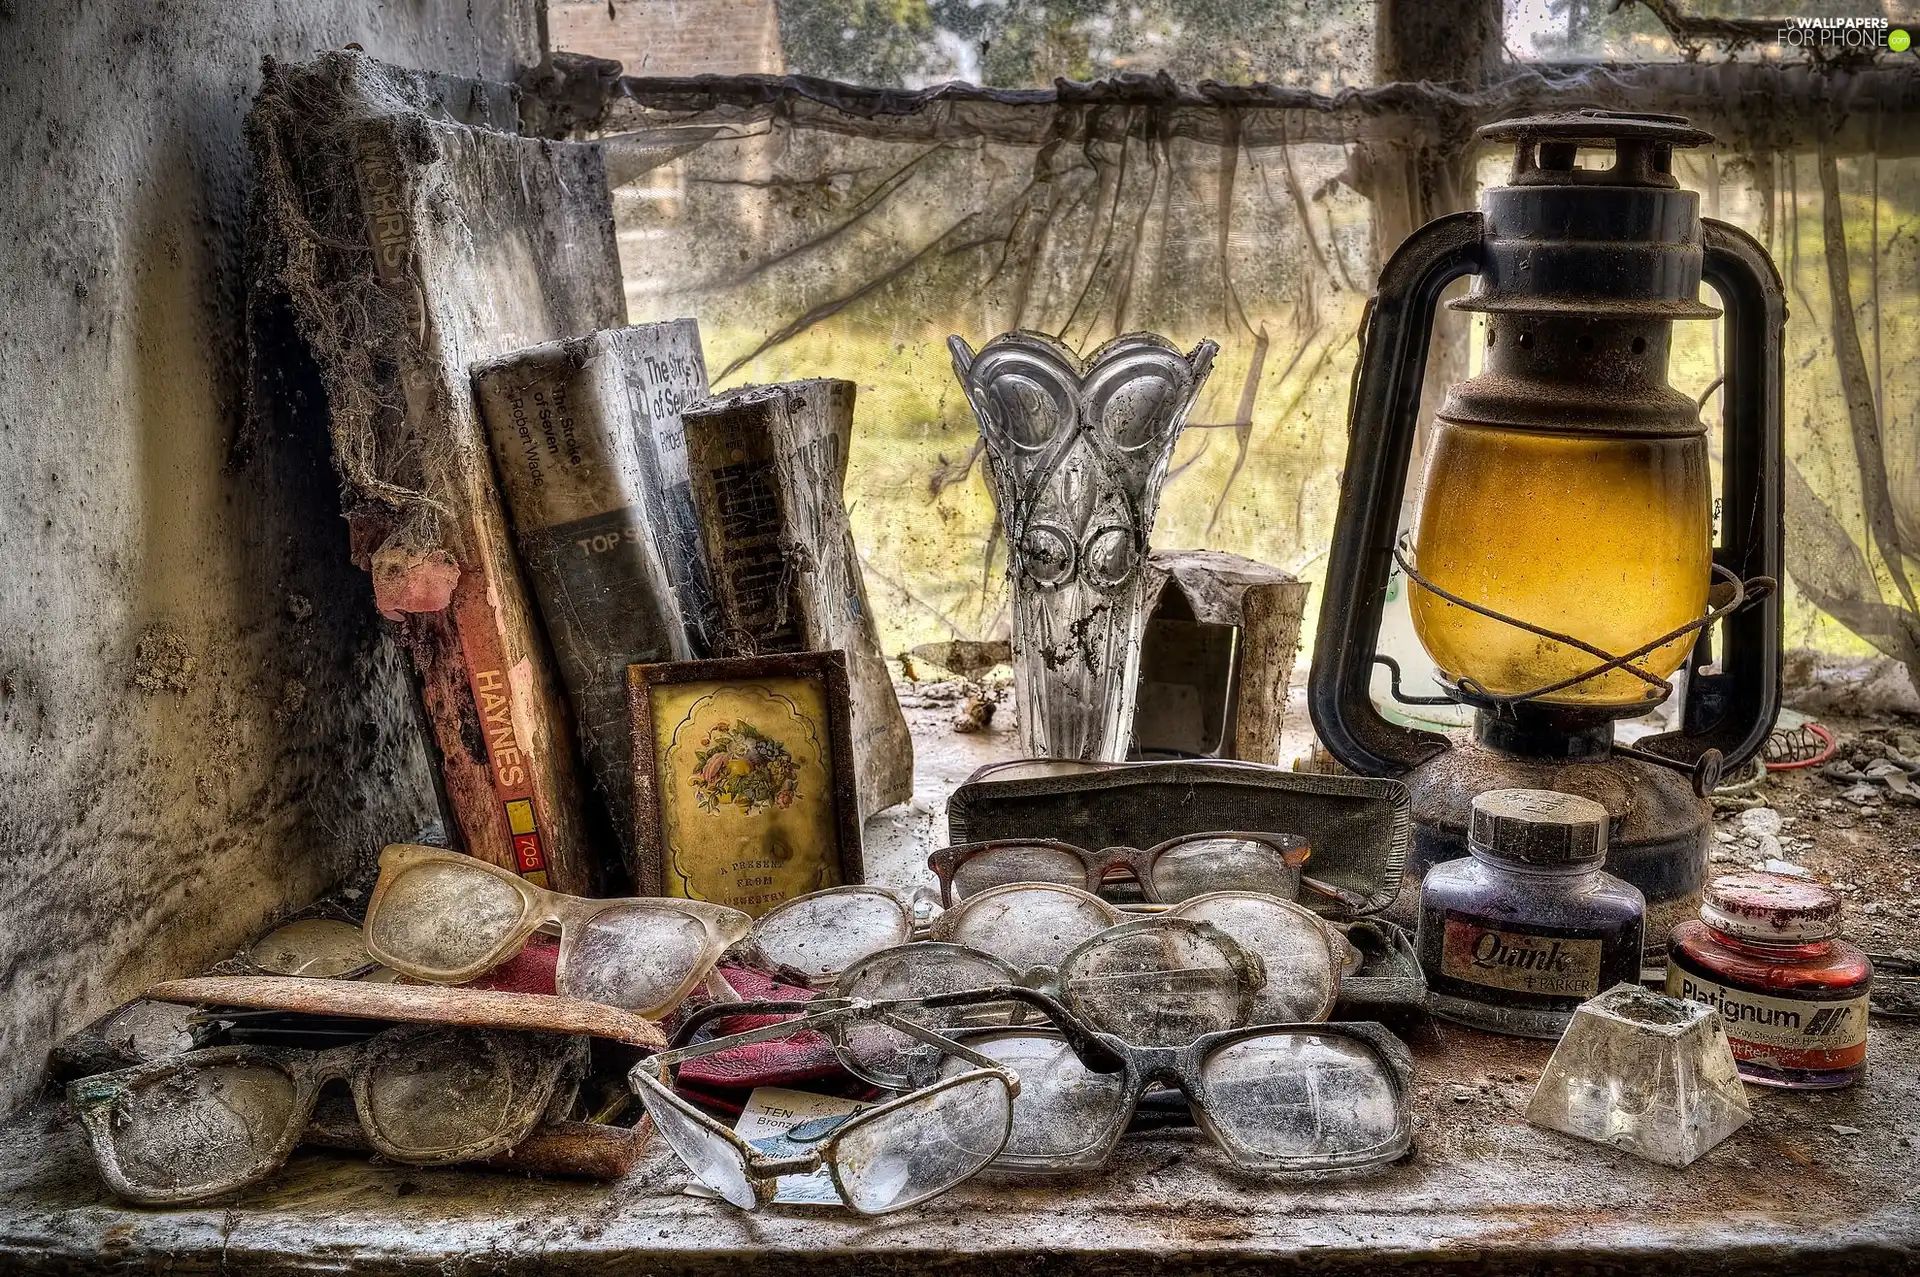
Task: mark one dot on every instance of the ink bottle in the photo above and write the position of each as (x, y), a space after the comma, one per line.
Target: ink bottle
(1527, 926)
(1766, 952)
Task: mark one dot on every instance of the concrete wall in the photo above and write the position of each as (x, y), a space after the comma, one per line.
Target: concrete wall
(201, 725)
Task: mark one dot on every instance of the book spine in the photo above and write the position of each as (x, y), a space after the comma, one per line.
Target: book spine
(560, 421)
(731, 478)
(768, 466)
(666, 370)
(505, 751)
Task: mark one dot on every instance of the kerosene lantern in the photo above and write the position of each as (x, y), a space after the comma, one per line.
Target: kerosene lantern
(1563, 565)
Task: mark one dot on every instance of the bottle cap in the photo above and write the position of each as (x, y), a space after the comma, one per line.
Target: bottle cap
(1776, 908)
(1538, 827)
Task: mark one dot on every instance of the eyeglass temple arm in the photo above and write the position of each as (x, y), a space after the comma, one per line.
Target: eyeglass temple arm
(816, 1017)
(1352, 900)
(809, 1015)
(705, 1015)
(1086, 1043)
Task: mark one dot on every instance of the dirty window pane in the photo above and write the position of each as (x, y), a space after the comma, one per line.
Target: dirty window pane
(671, 37)
(805, 251)
(1585, 31)
(826, 231)
(1003, 43)
(1606, 31)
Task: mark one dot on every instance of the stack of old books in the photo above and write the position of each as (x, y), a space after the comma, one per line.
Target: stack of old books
(542, 495)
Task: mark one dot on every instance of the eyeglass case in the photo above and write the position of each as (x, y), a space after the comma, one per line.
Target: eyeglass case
(1358, 826)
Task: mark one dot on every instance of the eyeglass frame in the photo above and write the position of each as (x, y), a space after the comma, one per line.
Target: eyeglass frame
(94, 1099)
(1138, 862)
(543, 908)
(1183, 1066)
(1248, 968)
(762, 1171)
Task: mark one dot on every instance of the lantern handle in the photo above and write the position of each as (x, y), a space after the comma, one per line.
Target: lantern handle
(1732, 708)
(1380, 430)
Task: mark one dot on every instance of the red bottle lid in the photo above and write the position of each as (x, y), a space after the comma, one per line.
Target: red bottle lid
(1771, 908)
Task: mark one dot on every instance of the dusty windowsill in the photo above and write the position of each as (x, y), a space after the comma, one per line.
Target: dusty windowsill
(1483, 1192)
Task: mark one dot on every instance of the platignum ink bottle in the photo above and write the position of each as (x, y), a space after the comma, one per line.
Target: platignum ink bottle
(1527, 926)
(1767, 953)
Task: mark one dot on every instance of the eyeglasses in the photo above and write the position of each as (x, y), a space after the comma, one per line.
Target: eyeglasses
(1170, 871)
(1157, 980)
(210, 1122)
(882, 1159)
(1029, 925)
(1299, 1101)
(448, 918)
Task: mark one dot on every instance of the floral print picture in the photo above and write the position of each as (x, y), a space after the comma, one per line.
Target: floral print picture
(743, 773)
(738, 765)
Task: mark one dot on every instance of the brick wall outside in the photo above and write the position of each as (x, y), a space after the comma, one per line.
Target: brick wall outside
(671, 37)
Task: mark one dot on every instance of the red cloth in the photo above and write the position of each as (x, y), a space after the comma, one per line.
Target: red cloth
(724, 1079)
(807, 1056)
(529, 971)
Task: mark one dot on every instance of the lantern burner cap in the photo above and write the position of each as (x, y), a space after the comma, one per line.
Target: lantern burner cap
(1545, 147)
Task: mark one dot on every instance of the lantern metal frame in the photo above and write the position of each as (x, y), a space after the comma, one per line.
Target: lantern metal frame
(1531, 267)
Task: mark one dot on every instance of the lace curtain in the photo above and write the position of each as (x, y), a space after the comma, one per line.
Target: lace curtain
(817, 229)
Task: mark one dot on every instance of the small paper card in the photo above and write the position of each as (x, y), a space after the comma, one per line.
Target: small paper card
(771, 1112)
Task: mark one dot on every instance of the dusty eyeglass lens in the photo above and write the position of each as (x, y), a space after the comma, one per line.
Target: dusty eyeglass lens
(1065, 1112)
(824, 933)
(1221, 864)
(443, 917)
(880, 1054)
(1300, 1096)
(1295, 947)
(147, 1030)
(1027, 925)
(201, 1124)
(923, 1147)
(1154, 987)
(321, 948)
(632, 955)
(1017, 863)
(444, 1091)
(713, 1159)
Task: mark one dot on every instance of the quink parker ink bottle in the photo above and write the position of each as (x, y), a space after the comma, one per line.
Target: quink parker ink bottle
(1527, 926)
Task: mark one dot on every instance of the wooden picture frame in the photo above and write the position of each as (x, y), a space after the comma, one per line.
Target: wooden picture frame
(743, 782)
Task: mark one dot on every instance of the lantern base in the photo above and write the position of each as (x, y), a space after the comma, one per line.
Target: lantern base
(1661, 831)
